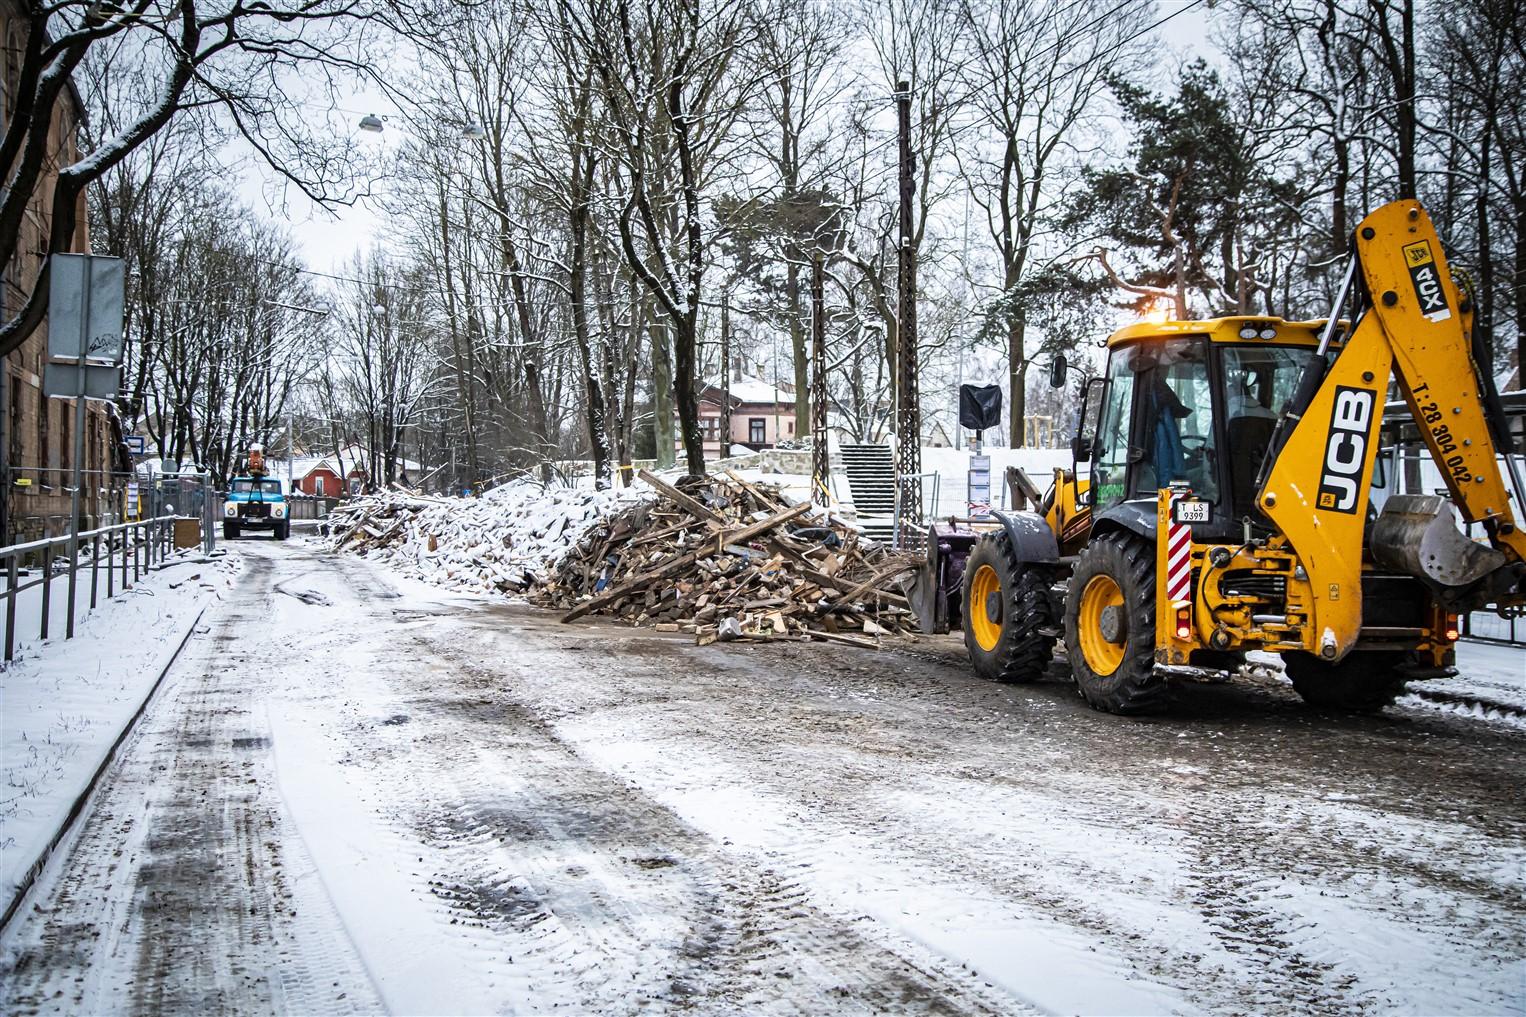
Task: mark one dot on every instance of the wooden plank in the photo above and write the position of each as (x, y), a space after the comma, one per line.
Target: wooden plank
(842, 637)
(682, 561)
(694, 505)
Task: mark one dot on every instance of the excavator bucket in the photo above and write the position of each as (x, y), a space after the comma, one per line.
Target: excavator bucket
(1417, 534)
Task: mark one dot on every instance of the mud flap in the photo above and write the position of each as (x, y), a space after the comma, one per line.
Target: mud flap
(1417, 535)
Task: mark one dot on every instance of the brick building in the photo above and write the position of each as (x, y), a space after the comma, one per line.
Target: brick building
(37, 434)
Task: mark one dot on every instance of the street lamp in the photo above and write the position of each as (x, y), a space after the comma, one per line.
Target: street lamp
(473, 131)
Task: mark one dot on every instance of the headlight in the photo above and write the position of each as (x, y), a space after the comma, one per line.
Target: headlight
(280, 511)
(230, 508)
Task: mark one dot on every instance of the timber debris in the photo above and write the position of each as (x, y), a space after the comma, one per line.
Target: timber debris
(732, 560)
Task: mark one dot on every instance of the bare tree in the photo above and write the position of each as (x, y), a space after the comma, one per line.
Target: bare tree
(1035, 81)
(672, 86)
(241, 59)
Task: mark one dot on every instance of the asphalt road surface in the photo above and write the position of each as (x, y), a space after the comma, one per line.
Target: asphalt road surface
(354, 794)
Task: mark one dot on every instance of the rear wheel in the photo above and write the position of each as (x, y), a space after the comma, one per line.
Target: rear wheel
(1008, 625)
(1365, 682)
(230, 531)
(283, 529)
(1110, 625)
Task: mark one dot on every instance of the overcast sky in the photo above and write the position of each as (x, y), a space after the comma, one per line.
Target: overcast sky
(331, 239)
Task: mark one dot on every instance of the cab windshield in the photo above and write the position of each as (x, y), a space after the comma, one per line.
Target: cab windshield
(262, 486)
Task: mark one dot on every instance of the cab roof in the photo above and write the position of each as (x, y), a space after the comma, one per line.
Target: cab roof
(1225, 330)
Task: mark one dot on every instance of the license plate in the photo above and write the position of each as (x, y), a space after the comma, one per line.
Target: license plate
(1192, 511)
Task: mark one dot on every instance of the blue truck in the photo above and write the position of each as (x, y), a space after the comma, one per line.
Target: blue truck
(255, 501)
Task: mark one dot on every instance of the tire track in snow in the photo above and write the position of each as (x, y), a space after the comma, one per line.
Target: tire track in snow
(178, 893)
(605, 887)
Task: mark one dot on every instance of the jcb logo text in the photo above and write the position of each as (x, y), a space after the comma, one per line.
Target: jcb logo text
(1340, 482)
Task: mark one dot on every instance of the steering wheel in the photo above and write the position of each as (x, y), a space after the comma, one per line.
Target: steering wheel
(1202, 442)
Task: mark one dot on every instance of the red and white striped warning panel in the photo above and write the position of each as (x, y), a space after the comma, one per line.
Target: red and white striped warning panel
(1178, 561)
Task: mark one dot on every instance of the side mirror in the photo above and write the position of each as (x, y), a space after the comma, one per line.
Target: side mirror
(1058, 368)
(1081, 449)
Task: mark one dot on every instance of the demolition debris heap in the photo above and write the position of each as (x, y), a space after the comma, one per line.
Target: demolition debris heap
(729, 559)
(724, 559)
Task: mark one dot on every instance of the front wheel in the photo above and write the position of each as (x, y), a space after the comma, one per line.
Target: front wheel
(1110, 625)
(1008, 630)
(1364, 682)
(230, 531)
(283, 530)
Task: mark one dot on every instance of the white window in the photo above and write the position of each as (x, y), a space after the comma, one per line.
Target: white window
(318, 486)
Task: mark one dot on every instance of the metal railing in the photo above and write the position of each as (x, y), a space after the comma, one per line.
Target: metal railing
(130, 550)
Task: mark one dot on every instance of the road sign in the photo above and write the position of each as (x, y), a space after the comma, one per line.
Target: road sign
(63, 381)
(137, 445)
(85, 299)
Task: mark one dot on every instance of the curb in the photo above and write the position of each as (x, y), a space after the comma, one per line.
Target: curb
(77, 809)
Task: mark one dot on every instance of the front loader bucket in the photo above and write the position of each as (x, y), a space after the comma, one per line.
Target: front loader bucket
(1417, 534)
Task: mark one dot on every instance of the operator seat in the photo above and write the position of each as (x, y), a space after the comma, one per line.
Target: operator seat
(1250, 438)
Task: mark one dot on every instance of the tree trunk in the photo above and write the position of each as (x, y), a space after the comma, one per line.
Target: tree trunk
(688, 402)
(1017, 374)
(797, 348)
(662, 395)
(582, 184)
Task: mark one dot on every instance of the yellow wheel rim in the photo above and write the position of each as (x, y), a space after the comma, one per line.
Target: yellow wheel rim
(987, 629)
(1101, 593)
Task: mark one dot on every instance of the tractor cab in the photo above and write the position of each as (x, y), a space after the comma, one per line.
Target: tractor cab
(1189, 403)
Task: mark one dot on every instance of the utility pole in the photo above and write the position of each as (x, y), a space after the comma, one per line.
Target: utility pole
(820, 491)
(725, 422)
(908, 417)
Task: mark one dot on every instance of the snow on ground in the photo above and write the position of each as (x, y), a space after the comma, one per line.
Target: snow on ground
(63, 702)
(1490, 677)
(423, 801)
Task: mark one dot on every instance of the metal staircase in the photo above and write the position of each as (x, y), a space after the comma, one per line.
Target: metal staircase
(870, 470)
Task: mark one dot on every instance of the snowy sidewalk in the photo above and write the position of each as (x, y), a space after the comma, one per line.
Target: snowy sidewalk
(63, 703)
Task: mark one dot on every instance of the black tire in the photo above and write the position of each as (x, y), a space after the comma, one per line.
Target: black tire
(1132, 686)
(230, 531)
(283, 529)
(1022, 651)
(1365, 682)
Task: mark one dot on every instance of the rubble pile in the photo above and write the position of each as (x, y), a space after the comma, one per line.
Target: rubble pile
(728, 559)
(500, 543)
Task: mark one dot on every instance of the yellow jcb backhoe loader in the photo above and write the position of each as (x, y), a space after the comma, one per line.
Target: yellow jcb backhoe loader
(1229, 503)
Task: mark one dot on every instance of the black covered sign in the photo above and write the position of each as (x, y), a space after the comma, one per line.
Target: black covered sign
(979, 406)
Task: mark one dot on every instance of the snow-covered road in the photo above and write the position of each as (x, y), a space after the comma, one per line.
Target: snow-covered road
(354, 793)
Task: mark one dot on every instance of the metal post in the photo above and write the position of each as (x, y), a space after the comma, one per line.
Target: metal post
(908, 423)
(10, 608)
(95, 566)
(47, 589)
(820, 468)
(76, 503)
(111, 570)
(725, 421)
